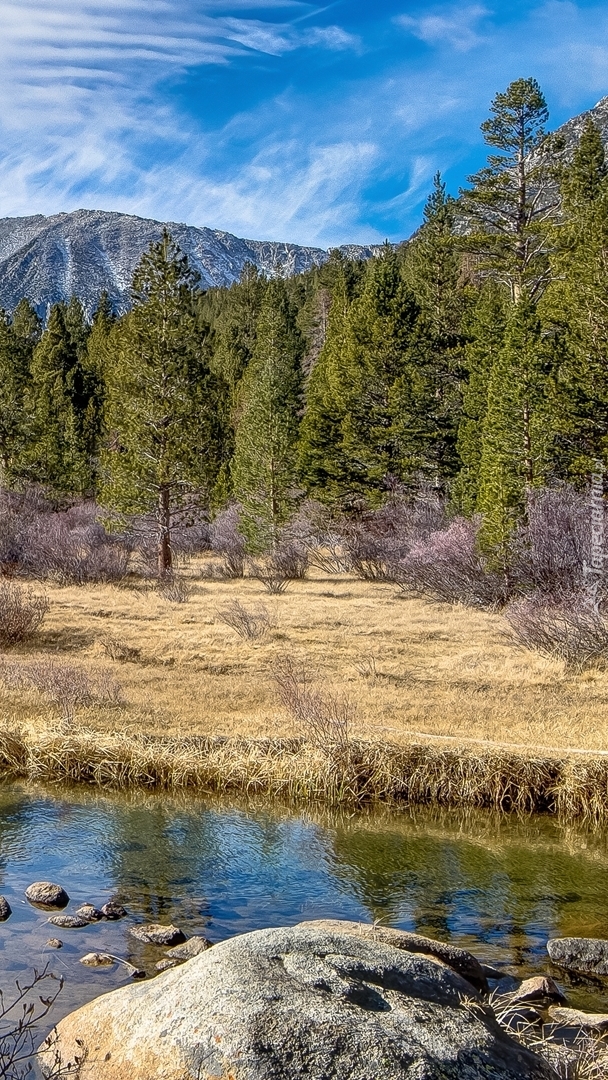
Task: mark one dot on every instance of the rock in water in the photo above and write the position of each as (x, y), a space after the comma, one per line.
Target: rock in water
(89, 912)
(69, 922)
(5, 909)
(112, 910)
(538, 988)
(587, 955)
(54, 943)
(293, 1003)
(576, 1019)
(192, 947)
(97, 959)
(156, 934)
(47, 894)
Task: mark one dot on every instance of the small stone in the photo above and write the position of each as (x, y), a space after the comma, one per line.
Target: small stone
(5, 909)
(538, 988)
(156, 934)
(54, 943)
(46, 894)
(164, 965)
(192, 947)
(112, 910)
(578, 1019)
(97, 959)
(68, 922)
(89, 913)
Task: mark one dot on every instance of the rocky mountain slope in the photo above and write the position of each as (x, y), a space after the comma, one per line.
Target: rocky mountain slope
(80, 254)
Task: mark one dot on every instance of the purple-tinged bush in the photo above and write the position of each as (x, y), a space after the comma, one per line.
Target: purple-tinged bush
(227, 540)
(448, 566)
(570, 631)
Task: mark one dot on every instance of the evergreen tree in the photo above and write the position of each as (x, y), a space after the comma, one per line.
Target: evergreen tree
(485, 332)
(574, 309)
(322, 465)
(59, 401)
(264, 464)
(18, 339)
(516, 433)
(511, 198)
(163, 405)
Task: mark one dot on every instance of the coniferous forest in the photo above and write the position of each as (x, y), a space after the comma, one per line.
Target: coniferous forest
(470, 361)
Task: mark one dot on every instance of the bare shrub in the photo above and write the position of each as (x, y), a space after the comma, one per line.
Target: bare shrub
(315, 530)
(571, 632)
(448, 566)
(21, 612)
(272, 577)
(550, 547)
(376, 542)
(227, 540)
(290, 559)
(174, 589)
(250, 623)
(66, 685)
(72, 547)
(20, 1017)
(325, 718)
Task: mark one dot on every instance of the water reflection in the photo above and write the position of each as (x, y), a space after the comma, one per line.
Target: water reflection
(499, 885)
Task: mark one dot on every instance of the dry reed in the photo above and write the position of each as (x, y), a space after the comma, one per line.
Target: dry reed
(297, 770)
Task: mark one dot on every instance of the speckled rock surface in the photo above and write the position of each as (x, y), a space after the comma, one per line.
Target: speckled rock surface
(587, 955)
(293, 1003)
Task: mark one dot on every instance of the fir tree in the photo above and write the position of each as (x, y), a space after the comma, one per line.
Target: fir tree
(18, 339)
(485, 332)
(511, 198)
(516, 433)
(163, 414)
(264, 464)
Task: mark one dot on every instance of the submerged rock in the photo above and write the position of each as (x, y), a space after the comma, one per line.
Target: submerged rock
(166, 965)
(90, 913)
(5, 909)
(69, 922)
(97, 959)
(47, 894)
(460, 960)
(305, 1001)
(192, 947)
(577, 1019)
(156, 934)
(586, 955)
(54, 943)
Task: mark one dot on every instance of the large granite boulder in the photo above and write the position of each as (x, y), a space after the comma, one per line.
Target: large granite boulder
(293, 1003)
(589, 956)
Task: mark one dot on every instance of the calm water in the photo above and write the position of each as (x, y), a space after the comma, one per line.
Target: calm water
(498, 885)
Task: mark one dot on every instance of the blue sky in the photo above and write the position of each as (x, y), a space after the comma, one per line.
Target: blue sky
(319, 124)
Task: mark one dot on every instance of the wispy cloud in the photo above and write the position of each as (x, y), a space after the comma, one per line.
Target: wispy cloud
(455, 26)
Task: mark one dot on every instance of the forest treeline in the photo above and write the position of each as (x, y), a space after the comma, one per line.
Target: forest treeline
(471, 360)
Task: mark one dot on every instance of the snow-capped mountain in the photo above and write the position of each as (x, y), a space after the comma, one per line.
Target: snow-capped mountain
(47, 259)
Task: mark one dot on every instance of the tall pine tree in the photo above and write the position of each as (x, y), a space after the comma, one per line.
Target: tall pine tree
(264, 464)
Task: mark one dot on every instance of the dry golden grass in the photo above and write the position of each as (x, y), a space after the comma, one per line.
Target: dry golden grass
(447, 708)
(409, 667)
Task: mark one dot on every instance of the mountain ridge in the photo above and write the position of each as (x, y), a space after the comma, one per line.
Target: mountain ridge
(84, 252)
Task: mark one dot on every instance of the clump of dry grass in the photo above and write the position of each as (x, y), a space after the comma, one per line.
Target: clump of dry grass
(120, 651)
(250, 623)
(583, 1058)
(174, 589)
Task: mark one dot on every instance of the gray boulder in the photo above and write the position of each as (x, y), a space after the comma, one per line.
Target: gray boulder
(586, 955)
(192, 947)
(69, 922)
(158, 934)
(47, 894)
(460, 960)
(5, 909)
(294, 1003)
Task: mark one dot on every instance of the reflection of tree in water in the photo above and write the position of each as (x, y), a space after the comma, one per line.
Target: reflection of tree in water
(503, 880)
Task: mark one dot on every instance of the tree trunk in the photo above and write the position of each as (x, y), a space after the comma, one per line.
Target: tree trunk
(164, 533)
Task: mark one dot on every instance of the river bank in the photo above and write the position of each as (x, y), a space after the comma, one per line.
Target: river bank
(356, 773)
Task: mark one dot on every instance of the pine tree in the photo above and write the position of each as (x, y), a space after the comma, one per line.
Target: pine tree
(19, 336)
(573, 310)
(485, 332)
(511, 198)
(515, 449)
(264, 464)
(322, 466)
(58, 400)
(163, 411)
